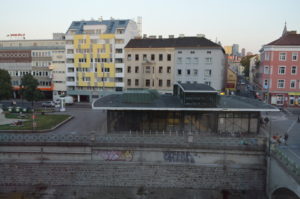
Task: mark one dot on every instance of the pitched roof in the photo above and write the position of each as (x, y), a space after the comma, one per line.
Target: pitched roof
(290, 38)
(184, 42)
(112, 25)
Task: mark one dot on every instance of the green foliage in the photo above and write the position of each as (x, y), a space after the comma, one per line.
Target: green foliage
(29, 89)
(245, 61)
(5, 85)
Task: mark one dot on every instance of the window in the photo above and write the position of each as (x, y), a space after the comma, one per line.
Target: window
(160, 82)
(279, 99)
(179, 72)
(207, 72)
(266, 70)
(152, 57)
(281, 70)
(136, 69)
(169, 57)
(148, 69)
(169, 69)
(294, 70)
(266, 84)
(144, 57)
(208, 60)
(148, 82)
(292, 99)
(179, 52)
(267, 56)
(188, 60)
(208, 52)
(195, 72)
(160, 69)
(136, 82)
(168, 83)
(282, 56)
(188, 71)
(280, 83)
(128, 82)
(160, 57)
(192, 52)
(119, 50)
(129, 57)
(293, 84)
(196, 61)
(179, 60)
(136, 57)
(294, 56)
(128, 69)
(207, 83)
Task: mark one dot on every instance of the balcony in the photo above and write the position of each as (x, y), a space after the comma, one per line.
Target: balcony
(69, 56)
(71, 83)
(119, 84)
(70, 74)
(119, 74)
(119, 55)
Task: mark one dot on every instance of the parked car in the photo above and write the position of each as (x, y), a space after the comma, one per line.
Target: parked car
(68, 100)
(48, 104)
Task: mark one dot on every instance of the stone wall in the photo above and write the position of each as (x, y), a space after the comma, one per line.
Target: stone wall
(132, 174)
(79, 167)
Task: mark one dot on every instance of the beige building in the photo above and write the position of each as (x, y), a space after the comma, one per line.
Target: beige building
(44, 59)
(152, 63)
(149, 68)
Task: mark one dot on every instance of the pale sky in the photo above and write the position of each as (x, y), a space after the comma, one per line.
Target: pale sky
(249, 23)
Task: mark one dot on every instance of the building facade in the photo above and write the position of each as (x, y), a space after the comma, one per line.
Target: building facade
(231, 80)
(279, 70)
(149, 68)
(36, 57)
(95, 56)
(159, 63)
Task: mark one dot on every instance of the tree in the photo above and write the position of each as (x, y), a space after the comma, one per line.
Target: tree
(29, 89)
(5, 85)
(245, 61)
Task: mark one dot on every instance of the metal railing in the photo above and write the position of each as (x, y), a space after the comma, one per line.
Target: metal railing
(188, 140)
(289, 164)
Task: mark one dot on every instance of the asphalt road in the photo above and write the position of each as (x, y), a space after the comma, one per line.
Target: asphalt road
(85, 122)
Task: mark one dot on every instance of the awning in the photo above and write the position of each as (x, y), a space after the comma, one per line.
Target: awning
(294, 93)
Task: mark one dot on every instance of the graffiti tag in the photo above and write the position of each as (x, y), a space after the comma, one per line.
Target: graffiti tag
(116, 155)
(178, 156)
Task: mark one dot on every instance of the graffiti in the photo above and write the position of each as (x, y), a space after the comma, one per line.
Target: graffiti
(178, 156)
(116, 155)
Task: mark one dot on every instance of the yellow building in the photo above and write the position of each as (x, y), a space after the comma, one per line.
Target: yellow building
(231, 80)
(228, 50)
(95, 53)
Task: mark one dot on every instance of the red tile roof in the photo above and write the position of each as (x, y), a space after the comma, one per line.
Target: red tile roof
(290, 38)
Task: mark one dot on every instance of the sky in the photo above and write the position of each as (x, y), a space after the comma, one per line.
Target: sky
(250, 24)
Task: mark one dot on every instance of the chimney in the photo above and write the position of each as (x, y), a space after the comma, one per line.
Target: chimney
(171, 36)
(144, 36)
(181, 35)
(293, 32)
(160, 37)
(152, 36)
(201, 35)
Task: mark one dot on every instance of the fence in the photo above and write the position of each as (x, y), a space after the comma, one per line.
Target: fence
(289, 164)
(196, 141)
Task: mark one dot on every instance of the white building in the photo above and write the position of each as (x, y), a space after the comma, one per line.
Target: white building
(199, 60)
